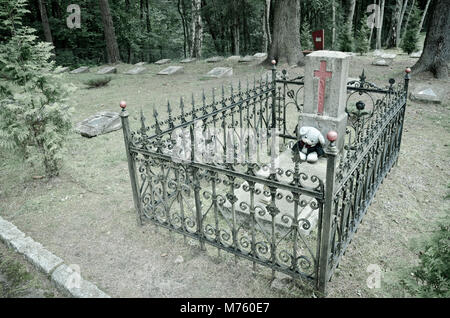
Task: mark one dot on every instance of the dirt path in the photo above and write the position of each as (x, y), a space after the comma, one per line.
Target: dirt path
(86, 216)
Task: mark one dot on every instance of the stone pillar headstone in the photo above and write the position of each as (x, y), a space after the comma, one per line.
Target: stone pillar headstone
(325, 94)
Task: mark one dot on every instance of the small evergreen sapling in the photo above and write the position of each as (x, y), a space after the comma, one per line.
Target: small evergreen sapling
(306, 37)
(346, 39)
(409, 42)
(34, 116)
(362, 41)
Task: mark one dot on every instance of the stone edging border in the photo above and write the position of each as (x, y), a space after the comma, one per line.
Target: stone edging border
(65, 278)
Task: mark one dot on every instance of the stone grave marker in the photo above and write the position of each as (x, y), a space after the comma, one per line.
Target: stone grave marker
(381, 62)
(219, 72)
(136, 70)
(416, 54)
(326, 74)
(188, 60)
(163, 61)
(172, 70)
(140, 64)
(377, 53)
(60, 70)
(234, 58)
(99, 124)
(260, 55)
(83, 69)
(246, 59)
(425, 96)
(108, 70)
(215, 59)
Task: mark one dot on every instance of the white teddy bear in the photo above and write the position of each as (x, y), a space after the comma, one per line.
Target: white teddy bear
(309, 147)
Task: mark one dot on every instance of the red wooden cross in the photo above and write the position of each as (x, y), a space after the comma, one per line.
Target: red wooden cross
(322, 74)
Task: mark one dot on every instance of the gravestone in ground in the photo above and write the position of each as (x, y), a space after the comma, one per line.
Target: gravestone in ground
(416, 54)
(260, 55)
(163, 61)
(140, 64)
(136, 70)
(172, 70)
(234, 58)
(377, 53)
(325, 98)
(99, 124)
(215, 59)
(83, 69)
(188, 60)
(219, 72)
(246, 59)
(425, 96)
(381, 62)
(60, 70)
(107, 70)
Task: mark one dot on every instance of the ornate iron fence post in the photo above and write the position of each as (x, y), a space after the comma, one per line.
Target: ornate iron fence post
(405, 88)
(274, 93)
(327, 217)
(131, 163)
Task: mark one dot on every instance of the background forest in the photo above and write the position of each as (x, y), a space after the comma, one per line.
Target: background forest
(148, 30)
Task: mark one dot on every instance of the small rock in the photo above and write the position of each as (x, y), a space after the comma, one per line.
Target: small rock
(164, 255)
(179, 259)
(280, 283)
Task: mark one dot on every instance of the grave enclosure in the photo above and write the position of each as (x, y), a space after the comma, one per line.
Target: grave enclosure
(270, 208)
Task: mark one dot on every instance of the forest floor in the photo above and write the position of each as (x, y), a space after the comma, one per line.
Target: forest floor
(87, 217)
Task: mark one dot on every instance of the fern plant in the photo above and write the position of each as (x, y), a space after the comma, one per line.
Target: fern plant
(34, 117)
(98, 82)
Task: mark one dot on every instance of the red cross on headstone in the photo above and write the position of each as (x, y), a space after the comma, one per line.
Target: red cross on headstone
(322, 74)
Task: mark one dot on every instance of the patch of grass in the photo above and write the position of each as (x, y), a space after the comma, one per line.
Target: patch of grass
(17, 278)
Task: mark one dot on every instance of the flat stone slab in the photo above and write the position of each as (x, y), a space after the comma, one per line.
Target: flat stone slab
(83, 69)
(382, 62)
(425, 96)
(219, 72)
(108, 70)
(188, 60)
(140, 64)
(163, 61)
(9, 232)
(247, 59)
(172, 70)
(215, 59)
(377, 53)
(136, 70)
(99, 124)
(260, 55)
(35, 253)
(416, 54)
(60, 70)
(68, 280)
(234, 58)
(387, 56)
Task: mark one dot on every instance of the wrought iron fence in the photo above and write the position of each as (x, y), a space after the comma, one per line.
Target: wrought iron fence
(284, 217)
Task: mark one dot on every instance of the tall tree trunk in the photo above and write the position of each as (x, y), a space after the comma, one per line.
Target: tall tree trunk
(380, 24)
(333, 25)
(350, 14)
(235, 27)
(436, 51)
(371, 27)
(112, 49)
(45, 24)
(267, 34)
(183, 22)
(423, 16)
(405, 27)
(197, 29)
(286, 46)
(392, 34)
(399, 24)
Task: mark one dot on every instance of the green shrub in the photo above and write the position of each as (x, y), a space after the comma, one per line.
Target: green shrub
(346, 39)
(411, 38)
(34, 116)
(306, 37)
(98, 82)
(362, 41)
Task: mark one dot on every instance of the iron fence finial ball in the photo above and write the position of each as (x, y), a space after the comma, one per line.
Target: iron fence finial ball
(332, 135)
(407, 70)
(123, 104)
(274, 62)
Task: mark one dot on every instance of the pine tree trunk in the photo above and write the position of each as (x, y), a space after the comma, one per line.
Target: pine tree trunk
(235, 27)
(380, 23)
(45, 24)
(407, 19)
(436, 51)
(399, 24)
(371, 28)
(112, 49)
(392, 34)
(285, 46)
(197, 29)
(350, 14)
(423, 16)
(267, 34)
